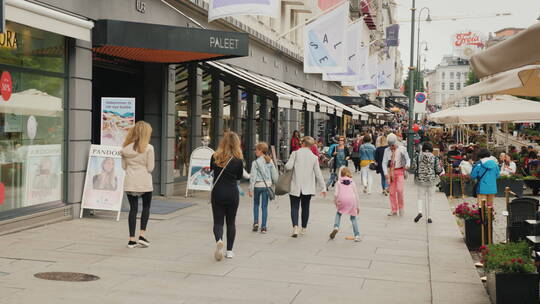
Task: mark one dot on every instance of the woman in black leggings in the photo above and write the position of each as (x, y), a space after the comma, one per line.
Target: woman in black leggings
(138, 162)
(228, 169)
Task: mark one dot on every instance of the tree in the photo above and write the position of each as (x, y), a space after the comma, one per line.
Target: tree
(472, 78)
(418, 85)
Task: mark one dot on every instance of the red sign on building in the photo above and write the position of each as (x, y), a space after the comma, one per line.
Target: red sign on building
(6, 85)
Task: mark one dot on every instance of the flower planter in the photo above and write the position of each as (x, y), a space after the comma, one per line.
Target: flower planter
(534, 184)
(473, 234)
(456, 188)
(510, 288)
(516, 186)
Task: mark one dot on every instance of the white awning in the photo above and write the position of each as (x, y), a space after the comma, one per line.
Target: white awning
(297, 103)
(339, 105)
(47, 19)
(374, 109)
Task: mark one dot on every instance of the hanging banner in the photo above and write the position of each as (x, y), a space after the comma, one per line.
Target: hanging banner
(104, 184)
(386, 75)
(392, 35)
(43, 174)
(325, 49)
(371, 83)
(200, 176)
(356, 49)
(226, 8)
(420, 101)
(117, 117)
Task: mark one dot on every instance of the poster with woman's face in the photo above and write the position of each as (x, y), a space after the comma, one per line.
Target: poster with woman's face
(104, 183)
(43, 174)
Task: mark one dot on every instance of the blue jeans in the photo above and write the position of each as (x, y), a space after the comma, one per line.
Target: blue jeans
(354, 223)
(383, 181)
(260, 192)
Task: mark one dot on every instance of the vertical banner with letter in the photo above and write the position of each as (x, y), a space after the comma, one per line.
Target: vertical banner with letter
(371, 83)
(325, 49)
(43, 174)
(200, 176)
(226, 8)
(355, 52)
(386, 75)
(104, 184)
(392, 35)
(117, 117)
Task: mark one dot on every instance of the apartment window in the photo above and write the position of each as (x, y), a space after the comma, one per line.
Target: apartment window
(458, 75)
(451, 75)
(443, 75)
(458, 86)
(451, 86)
(443, 86)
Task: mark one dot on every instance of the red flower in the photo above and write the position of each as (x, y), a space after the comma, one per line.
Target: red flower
(513, 261)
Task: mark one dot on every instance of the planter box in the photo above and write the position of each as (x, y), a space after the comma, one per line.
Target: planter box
(516, 186)
(511, 288)
(456, 188)
(534, 184)
(473, 235)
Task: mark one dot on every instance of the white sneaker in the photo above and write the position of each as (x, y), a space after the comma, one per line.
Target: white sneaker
(295, 232)
(401, 212)
(357, 238)
(229, 254)
(219, 251)
(303, 231)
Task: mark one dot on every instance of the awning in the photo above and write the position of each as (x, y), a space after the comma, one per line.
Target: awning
(48, 19)
(166, 44)
(339, 106)
(524, 81)
(520, 50)
(32, 102)
(372, 109)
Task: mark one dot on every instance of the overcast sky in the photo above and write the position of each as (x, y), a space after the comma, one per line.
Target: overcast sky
(438, 33)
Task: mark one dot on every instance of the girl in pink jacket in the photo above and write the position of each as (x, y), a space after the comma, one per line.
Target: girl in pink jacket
(346, 200)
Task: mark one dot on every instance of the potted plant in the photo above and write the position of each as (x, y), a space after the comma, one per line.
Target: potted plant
(515, 182)
(456, 184)
(473, 227)
(533, 181)
(511, 274)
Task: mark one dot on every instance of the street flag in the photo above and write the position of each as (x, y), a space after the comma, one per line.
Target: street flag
(357, 44)
(392, 35)
(371, 83)
(420, 101)
(226, 8)
(325, 49)
(386, 75)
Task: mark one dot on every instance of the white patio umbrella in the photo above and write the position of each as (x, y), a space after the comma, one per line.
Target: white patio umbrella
(523, 81)
(32, 102)
(500, 109)
(447, 116)
(518, 51)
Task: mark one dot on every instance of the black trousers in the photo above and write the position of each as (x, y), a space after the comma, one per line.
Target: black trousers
(133, 209)
(225, 211)
(295, 206)
(356, 161)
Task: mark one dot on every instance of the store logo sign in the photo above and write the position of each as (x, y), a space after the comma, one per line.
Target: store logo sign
(468, 39)
(8, 40)
(140, 6)
(6, 85)
(224, 43)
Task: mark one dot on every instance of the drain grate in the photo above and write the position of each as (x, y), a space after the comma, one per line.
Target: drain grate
(66, 276)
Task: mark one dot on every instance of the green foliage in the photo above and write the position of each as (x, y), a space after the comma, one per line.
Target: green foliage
(418, 85)
(507, 258)
(472, 78)
(530, 177)
(511, 177)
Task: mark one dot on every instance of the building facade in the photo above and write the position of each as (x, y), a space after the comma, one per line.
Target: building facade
(445, 81)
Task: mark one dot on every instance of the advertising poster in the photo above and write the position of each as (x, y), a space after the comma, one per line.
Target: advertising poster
(200, 176)
(117, 117)
(43, 174)
(104, 183)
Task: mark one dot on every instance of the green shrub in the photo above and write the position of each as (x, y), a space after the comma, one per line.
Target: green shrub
(507, 258)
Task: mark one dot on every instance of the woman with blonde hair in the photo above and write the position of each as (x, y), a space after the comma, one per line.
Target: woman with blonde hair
(228, 169)
(138, 162)
(263, 175)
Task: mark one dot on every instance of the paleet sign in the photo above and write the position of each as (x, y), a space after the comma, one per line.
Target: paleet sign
(467, 43)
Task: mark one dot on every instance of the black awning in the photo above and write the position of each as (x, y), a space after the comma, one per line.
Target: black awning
(351, 100)
(165, 44)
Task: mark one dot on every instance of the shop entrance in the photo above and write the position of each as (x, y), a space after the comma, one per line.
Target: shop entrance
(115, 78)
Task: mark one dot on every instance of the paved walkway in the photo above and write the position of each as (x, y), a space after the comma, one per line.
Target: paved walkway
(398, 261)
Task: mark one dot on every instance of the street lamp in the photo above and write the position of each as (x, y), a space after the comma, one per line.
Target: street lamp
(428, 19)
(418, 60)
(410, 132)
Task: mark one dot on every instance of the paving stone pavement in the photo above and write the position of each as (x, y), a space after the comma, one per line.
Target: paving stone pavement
(397, 261)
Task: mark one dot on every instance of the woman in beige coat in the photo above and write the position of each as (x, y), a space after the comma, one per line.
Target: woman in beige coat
(138, 162)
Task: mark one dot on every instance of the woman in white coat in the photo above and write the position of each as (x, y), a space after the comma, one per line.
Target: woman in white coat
(307, 180)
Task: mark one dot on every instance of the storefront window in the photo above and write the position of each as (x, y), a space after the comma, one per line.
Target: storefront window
(181, 160)
(206, 107)
(227, 111)
(31, 117)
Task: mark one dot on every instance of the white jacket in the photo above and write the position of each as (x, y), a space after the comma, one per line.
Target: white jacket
(307, 177)
(138, 167)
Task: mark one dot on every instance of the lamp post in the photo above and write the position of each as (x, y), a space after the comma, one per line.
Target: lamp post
(418, 61)
(410, 132)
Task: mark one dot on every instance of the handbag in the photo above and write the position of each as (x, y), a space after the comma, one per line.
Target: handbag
(283, 185)
(271, 193)
(476, 184)
(373, 166)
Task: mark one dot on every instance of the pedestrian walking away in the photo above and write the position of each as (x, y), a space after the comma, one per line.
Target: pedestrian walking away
(382, 144)
(263, 175)
(427, 168)
(486, 172)
(395, 161)
(346, 199)
(306, 181)
(355, 153)
(138, 163)
(295, 141)
(367, 156)
(226, 163)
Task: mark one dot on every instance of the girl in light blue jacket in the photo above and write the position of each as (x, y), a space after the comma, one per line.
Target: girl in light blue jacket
(263, 175)
(486, 171)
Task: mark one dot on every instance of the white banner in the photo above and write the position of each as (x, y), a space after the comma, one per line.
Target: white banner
(386, 75)
(226, 8)
(356, 46)
(104, 185)
(325, 49)
(371, 83)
